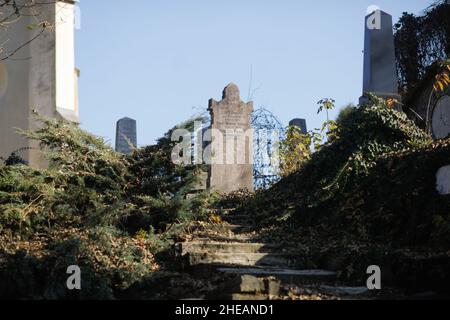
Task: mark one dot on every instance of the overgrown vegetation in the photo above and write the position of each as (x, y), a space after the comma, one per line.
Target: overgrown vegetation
(377, 147)
(108, 213)
(294, 150)
(420, 41)
(374, 185)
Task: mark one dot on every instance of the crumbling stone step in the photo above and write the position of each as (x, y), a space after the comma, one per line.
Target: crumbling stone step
(243, 259)
(334, 291)
(249, 297)
(223, 228)
(220, 227)
(292, 276)
(231, 238)
(226, 247)
(344, 291)
(251, 284)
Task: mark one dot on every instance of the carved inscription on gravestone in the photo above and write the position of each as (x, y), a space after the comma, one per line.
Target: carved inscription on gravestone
(231, 142)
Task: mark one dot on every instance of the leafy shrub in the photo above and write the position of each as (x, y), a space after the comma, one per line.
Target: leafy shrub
(375, 182)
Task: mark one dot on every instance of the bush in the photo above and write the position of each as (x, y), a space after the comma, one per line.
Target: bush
(93, 207)
(375, 182)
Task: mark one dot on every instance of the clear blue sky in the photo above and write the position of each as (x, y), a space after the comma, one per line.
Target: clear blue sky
(158, 61)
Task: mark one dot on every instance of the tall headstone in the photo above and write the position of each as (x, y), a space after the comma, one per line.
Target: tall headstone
(126, 136)
(430, 107)
(231, 146)
(40, 77)
(300, 123)
(380, 73)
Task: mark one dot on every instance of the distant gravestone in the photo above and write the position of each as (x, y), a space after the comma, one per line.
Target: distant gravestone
(300, 123)
(126, 136)
(231, 147)
(380, 72)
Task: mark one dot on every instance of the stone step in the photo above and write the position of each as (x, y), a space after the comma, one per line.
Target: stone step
(287, 276)
(226, 247)
(344, 291)
(231, 238)
(243, 259)
(224, 228)
(249, 297)
(335, 291)
(250, 284)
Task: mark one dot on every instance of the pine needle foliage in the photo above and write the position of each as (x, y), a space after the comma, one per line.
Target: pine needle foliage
(93, 207)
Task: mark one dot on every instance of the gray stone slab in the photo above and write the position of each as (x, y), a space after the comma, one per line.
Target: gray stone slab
(125, 135)
(380, 73)
(227, 247)
(231, 166)
(279, 272)
(300, 123)
(249, 297)
(351, 291)
(243, 259)
(283, 276)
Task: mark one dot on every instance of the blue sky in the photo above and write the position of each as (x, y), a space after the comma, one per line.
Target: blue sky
(160, 61)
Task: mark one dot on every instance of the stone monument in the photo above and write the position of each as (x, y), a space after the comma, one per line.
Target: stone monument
(300, 123)
(431, 107)
(39, 77)
(231, 147)
(380, 72)
(126, 136)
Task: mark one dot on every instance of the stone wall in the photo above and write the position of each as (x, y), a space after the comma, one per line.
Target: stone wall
(36, 78)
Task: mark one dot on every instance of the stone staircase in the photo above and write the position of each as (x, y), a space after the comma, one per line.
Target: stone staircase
(253, 271)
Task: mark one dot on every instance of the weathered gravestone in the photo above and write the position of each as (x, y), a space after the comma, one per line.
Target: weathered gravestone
(299, 123)
(431, 110)
(380, 75)
(231, 147)
(430, 106)
(126, 137)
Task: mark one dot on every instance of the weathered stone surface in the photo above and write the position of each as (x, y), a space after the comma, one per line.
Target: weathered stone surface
(300, 123)
(126, 135)
(440, 120)
(430, 107)
(380, 75)
(351, 291)
(232, 142)
(243, 259)
(227, 247)
(282, 273)
(251, 284)
(273, 286)
(41, 77)
(443, 180)
(249, 297)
